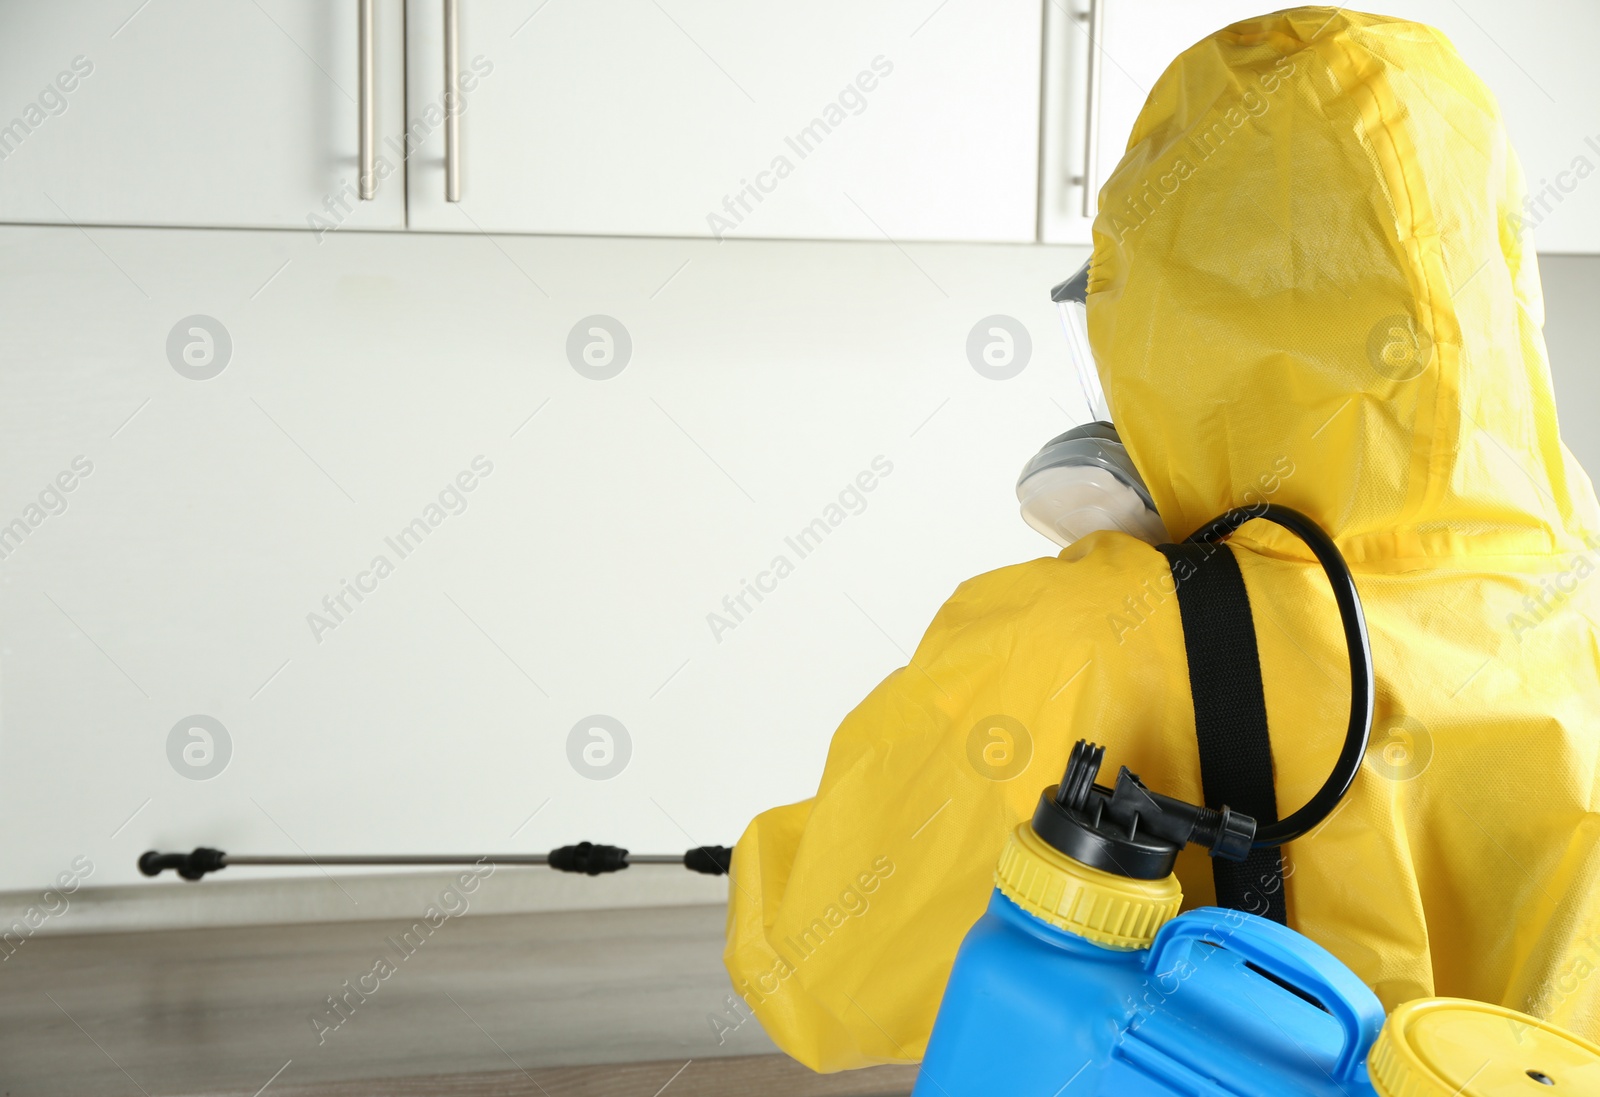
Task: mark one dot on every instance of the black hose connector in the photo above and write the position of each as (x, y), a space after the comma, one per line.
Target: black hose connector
(191, 866)
(709, 860)
(589, 859)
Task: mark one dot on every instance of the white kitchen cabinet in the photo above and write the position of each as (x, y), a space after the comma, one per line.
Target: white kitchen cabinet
(195, 112)
(1534, 57)
(904, 119)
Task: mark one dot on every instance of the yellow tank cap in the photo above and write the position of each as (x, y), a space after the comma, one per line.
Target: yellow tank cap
(1109, 910)
(1451, 1047)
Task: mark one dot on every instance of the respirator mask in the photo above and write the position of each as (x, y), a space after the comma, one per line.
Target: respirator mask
(1084, 480)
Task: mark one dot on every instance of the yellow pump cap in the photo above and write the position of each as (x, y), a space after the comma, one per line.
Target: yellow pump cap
(1109, 910)
(1451, 1047)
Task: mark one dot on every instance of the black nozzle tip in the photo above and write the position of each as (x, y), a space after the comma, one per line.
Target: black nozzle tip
(1128, 830)
(1083, 766)
(191, 866)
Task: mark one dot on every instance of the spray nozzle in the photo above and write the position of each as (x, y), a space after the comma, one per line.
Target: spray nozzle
(1128, 830)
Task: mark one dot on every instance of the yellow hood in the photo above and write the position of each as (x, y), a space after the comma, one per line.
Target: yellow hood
(1311, 250)
(1307, 288)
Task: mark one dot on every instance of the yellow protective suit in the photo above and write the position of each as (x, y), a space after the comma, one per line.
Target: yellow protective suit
(1309, 286)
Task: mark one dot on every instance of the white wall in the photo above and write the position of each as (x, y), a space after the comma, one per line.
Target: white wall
(367, 373)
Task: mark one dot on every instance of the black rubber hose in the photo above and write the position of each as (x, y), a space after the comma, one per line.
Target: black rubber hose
(1362, 684)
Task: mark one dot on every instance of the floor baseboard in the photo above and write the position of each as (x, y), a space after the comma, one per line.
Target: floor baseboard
(278, 900)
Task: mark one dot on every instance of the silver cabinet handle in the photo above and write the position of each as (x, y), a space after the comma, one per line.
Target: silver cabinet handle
(367, 106)
(452, 127)
(1095, 16)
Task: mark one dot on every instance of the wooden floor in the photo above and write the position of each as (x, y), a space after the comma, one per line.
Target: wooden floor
(609, 1003)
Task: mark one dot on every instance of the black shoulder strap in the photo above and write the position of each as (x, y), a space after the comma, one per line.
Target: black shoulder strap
(1230, 716)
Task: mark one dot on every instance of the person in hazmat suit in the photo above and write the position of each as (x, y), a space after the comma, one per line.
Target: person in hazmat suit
(1311, 285)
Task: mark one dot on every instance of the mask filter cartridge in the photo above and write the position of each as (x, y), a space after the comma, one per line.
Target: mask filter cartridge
(1083, 481)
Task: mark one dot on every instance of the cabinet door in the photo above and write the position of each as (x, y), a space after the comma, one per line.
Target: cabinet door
(832, 119)
(1538, 69)
(195, 112)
